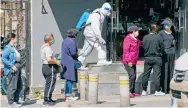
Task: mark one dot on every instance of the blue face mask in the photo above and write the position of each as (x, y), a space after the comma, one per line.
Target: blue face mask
(167, 26)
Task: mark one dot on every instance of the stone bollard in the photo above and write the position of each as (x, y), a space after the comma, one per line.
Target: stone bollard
(93, 89)
(124, 91)
(184, 99)
(83, 85)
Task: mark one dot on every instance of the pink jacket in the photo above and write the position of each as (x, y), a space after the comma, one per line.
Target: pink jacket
(131, 50)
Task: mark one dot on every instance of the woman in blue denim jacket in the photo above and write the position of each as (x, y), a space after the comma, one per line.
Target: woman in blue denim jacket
(9, 59)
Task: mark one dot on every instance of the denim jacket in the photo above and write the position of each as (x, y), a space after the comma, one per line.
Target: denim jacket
(8, 58)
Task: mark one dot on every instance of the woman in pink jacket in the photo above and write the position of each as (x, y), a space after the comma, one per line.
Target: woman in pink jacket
(131, 46)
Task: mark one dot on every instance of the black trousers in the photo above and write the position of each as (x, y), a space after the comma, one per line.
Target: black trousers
(14, 86)
(150, 63)
(49, 72)
(132, 77)
(167, 72)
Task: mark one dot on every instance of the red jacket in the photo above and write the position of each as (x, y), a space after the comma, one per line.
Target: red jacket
(131, 50)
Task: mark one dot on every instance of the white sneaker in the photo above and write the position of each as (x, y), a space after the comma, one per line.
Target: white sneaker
(83, 68)
(104, 62)
(159, 93)
(13, 105)
(69, 99)
(144, 93)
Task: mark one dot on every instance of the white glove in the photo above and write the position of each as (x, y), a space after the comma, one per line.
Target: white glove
(101, 40)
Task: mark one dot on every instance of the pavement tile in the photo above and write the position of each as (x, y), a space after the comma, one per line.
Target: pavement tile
(109, 101)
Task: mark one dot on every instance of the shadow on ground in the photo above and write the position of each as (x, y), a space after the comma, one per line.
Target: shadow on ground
(60, 100)
(30, 102)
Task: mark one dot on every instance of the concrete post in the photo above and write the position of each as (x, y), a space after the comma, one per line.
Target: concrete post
(149, 88)
(174, 102)
(93, 89)
(83, 85)
(124, 91)
(184, 99)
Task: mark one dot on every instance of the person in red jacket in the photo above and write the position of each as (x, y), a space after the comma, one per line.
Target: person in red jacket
(131, 46)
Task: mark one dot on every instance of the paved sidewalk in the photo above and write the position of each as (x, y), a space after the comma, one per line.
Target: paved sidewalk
(109, 101)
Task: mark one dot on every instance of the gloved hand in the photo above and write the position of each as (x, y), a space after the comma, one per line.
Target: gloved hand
(101, 40)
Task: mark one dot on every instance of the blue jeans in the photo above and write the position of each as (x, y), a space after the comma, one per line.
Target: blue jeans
(68, 90)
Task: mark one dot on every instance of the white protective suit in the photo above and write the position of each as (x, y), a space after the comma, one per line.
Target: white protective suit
(93, 38)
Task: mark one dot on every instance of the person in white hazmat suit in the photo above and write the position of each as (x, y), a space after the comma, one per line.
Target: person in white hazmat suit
(93, 38)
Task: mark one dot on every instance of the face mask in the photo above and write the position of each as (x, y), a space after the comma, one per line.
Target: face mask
(107, 11)
(167, 26)
(53, 41)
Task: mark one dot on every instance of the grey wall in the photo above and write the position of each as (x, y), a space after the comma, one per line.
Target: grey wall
(61, 15)
(40, 25)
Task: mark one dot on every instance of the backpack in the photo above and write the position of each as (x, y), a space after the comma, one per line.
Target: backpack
(83, 19)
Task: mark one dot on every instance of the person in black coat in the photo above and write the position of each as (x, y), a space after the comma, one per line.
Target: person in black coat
(153, 52)
(169, 56)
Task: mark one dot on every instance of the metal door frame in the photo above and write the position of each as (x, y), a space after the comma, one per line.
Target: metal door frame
(181, 24)
(27, 30)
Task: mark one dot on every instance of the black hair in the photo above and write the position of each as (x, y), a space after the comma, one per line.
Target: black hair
(8, 38)
(153, 27)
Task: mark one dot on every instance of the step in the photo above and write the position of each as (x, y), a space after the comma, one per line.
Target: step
(114, 67)
(109, 78)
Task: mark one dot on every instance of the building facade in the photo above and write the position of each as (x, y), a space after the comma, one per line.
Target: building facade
(56, 16)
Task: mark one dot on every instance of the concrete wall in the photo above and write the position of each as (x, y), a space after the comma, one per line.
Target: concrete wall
(60, 15)
(40, 25)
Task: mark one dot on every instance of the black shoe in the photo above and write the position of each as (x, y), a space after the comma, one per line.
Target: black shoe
(52, 101)
(50, 98)
(47, 103)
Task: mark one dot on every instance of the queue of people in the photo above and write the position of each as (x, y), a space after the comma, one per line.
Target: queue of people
(159, 56)
(70, 55)
(70, 58)
(157, 48)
